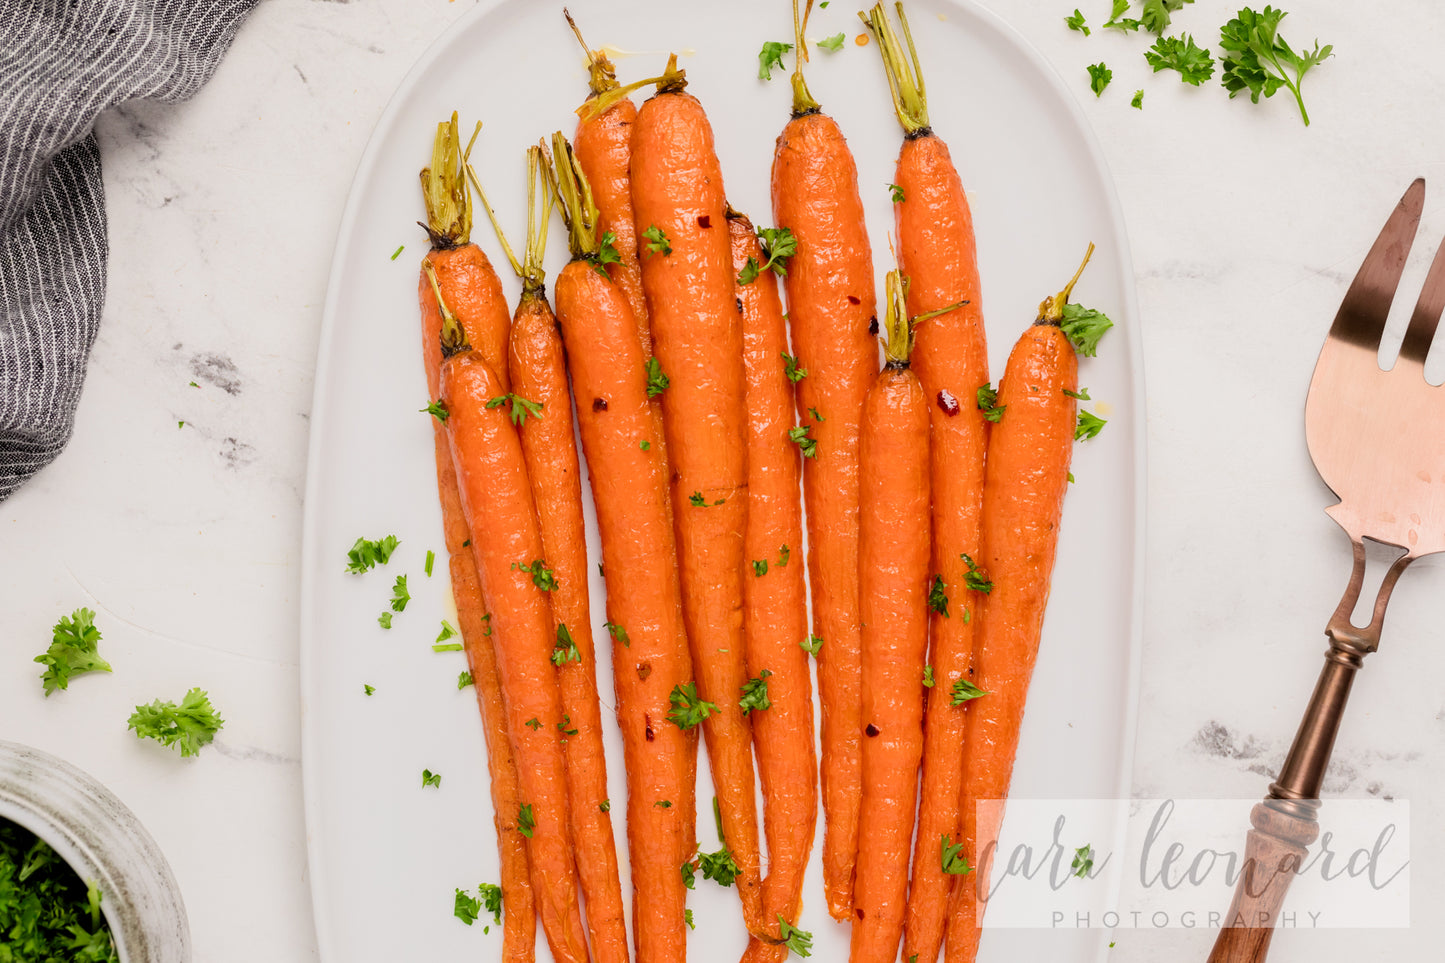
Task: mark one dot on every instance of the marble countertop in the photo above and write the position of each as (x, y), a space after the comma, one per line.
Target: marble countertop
(1246, 228)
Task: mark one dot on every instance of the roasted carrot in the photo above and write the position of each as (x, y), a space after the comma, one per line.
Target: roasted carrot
(449, 216)
(466, 277)
(775, 612)
(831, 307)
(519, 922)
(497, 500)
(893, 567)
(650, 658)
(1028, 470)
(603, 144)
(680, 208)
(539, 374)
(937, 253)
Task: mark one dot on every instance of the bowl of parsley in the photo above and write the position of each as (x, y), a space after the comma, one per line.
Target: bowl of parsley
(80, 878)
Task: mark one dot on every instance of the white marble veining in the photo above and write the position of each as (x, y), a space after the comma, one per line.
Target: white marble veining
(1246, 228)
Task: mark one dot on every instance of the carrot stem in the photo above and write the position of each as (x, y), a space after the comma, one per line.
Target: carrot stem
(454, 337)
(601, 72)
(1052, 308)
(803, 102)
(905, 75)
(574, 193)
(540, 199)
(897, 334)
(444, 188)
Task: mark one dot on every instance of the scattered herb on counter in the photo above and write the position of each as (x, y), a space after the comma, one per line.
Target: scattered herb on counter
(466, 907)
(464, 679)
(397, 253)
(1138, 101)
(1117, 20)
(1099, 77)
(1076, 22)
(73, 650)
(687, 918)
(771, 56)
(46, 911)
(446, 632)
(194, 385)
(1195, 64)
(190, 725)
(833, 43)
(384, 620)
(1256, 58)
(370, 689)
(491, 902)
(1155, 14)
(366, 554)
(429, 778)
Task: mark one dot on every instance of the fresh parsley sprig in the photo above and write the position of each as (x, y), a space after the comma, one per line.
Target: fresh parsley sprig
(73, 650)
(1257, 59)
(1195, 64)
(688, 708)
(190, 725)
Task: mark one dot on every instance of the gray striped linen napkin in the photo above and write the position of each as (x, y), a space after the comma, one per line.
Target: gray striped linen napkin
(61, 63)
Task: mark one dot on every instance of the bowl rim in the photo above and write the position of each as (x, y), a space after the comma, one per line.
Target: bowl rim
(102, 840)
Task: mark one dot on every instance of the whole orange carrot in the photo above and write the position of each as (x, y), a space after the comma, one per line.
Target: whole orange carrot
(650, 658)
(831, 307)
(1028, 471)
(893, 564)
(680, 210)
(515, 579)
(937, 253)
(539, 374)
(449, 223)
(775, 613)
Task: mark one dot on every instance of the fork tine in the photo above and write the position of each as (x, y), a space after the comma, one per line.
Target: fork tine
(1366, 306)
(1427, 312)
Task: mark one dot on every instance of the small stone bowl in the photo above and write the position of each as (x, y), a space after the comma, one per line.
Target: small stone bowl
(102, 840)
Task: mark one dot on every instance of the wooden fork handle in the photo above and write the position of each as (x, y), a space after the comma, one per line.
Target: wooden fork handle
(1273, 852)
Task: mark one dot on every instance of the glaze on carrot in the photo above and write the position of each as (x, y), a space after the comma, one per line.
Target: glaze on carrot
(449, 216)
(644, 609)
(775, 614)
(539, 374)
(831, 308)
(937, 253)
(680, 208)
(1028, 470)
(497, 500)
(893, 564)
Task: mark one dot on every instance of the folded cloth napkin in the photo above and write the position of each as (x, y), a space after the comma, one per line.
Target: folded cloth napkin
(61, 63)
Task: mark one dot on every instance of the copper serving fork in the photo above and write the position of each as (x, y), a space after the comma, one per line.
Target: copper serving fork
(1377, 439)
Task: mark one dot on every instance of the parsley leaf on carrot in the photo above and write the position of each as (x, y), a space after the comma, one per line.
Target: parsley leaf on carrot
(1194, 63)
(791, 368)
(760, 567)
(750, 270)
(566, 649)
(437, 410)
(755, 693)
(952, 858)
(526, 822)
(73, 650)
(542, 576)
(190, 725)
(896, 193)
(657, 242)
(928, 682)
(812, 645)
(618, 633)
(1257, 59)
(521, 407)
(657, 382)
(720, 867)
(771, 56)
(779, 245)
(963, 691)
(986, 399)
(938, 596)
(688, 708)
(975, 578)
(606, 253)
(1082, 394)
(799, 941)
(799, 435)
